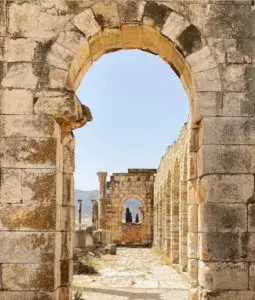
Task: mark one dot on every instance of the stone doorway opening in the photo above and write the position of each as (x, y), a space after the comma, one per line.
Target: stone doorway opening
(40, 110)
(132, 222)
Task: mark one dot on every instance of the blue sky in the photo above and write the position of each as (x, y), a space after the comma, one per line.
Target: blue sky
(138, 105)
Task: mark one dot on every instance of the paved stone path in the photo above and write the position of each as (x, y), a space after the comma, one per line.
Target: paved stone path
(134, 273)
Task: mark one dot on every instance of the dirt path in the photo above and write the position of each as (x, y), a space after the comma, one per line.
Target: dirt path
(134, 273)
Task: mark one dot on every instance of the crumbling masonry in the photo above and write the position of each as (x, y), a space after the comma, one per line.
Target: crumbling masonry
(46, 47)
(137, 184)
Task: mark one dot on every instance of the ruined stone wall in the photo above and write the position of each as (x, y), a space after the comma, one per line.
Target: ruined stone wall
(46, 47)
(132, 234)
(170, 204)
(137, 184)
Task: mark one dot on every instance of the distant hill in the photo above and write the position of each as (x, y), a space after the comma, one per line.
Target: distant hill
(86, 196)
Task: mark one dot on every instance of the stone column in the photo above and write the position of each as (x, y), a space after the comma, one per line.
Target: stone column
(102, 198)
(94, 214)
(183, 221)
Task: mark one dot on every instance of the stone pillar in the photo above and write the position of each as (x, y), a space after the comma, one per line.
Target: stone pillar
(31, 206)
(94, 214)
(183, 226)
(102, 198)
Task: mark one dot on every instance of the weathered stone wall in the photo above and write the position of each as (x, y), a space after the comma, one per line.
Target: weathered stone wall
(170, 204)
(138, 184)
(46, 47)
(132, 234)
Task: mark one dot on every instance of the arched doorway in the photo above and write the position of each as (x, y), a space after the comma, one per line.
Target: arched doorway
(68, 38)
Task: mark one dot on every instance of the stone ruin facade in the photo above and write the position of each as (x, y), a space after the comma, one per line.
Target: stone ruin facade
(46, 47)
(137, 184)
(170, 202)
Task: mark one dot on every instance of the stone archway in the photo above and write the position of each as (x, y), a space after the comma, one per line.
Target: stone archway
(45, 51)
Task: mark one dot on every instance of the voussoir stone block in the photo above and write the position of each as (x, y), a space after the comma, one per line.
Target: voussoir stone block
(221, 217)
(132, 36)
(86, 23)
(59, 56)
(71, 39)
(16, 102)
(174, 25)
(225, 276)
(155, 14)
(130, 11)
(106, 13)
(112, 39)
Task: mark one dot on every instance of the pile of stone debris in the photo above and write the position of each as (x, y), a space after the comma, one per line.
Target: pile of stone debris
(83, 256)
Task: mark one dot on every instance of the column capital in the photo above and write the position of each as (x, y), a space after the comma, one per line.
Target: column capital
(102, 175)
